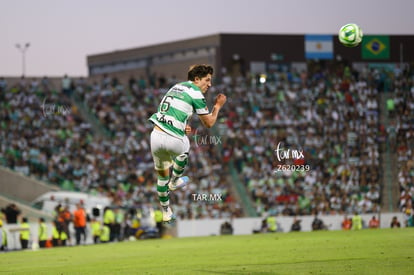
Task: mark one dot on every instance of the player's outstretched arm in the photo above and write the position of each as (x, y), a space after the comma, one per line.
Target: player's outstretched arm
(210, 119)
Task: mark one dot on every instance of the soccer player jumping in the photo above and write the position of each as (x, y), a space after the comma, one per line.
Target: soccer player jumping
(169, 144)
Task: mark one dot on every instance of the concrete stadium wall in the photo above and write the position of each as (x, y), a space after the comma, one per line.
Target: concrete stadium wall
(15, 185)
(245, 226)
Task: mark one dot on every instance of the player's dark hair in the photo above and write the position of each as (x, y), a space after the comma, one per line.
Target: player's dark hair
(199, 71)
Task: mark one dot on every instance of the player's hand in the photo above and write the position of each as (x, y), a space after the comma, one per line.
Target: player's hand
(188, 129)
(220, 100)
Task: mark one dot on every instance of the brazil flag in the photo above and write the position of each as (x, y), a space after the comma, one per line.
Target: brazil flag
(376, 47)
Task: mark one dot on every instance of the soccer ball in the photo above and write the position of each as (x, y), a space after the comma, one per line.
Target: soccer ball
(350, 35)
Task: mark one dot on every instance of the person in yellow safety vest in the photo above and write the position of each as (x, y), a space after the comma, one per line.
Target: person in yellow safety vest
(356, 222)
(3, 237)
(55, 235)
(24, 233)
(271, 224)
(63, 238)
(42, 233)
(109, 220)
(105, 234)
(96, 230)
(2, 216)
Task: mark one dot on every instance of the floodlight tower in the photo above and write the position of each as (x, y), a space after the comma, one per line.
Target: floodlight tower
(23, 49)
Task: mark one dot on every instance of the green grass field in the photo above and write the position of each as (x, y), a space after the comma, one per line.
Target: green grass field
(382, 251)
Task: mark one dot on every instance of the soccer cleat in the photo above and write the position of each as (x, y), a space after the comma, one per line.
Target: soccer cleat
(167, 214)
(178, 183)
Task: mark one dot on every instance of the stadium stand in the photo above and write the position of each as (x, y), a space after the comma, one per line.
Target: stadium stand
(331, 114)
(401, 141)
(56, 145)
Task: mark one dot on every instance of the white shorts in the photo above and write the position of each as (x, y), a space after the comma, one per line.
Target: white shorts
(164, 148)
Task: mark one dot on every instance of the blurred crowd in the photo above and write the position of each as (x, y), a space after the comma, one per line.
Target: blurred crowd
(45, 136)
(331, 115)
(401, 112)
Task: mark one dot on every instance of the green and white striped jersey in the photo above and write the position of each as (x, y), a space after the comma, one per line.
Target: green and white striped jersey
(177, 106)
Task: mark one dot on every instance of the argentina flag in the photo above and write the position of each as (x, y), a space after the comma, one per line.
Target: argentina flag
(318, 47)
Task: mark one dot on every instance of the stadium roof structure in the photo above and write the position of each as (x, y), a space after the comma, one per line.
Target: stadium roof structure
(225, 50)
